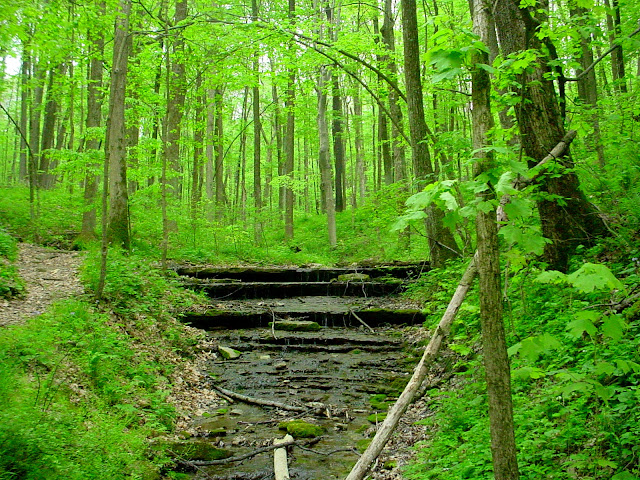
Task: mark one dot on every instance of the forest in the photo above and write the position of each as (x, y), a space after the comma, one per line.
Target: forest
(494, 144)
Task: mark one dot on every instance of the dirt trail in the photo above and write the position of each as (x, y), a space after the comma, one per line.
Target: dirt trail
(49, 275)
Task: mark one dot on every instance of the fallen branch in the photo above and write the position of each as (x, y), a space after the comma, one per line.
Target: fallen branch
(258, 401)
(440, 334)
(280, 463)
(361, 321)
(257, 451)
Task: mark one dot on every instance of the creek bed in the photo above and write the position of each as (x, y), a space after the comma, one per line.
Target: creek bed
(341, 368)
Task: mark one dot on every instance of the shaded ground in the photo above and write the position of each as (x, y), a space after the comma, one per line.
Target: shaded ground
(49, 275)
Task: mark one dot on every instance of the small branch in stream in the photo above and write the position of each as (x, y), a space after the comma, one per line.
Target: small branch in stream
(259, 401)
(258, 451)
(361, 321)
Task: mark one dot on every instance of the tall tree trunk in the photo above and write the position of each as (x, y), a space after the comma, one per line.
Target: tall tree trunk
(257, 130)
(573, 220)
(361, 178)
(496, 361)
(176, 93)
(617, 59)
(116, 154)
(388, 37)
(323, 158)
(198, 148)
(383, 126)
(289, 138)
(25, 76)
(442, 245)
(221, 197)
(45, 179)
(211, 126)
(36, 115)
(587, 85)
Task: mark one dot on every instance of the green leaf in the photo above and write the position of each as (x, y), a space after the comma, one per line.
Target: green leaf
(583, 323)
(449, 200)
(594, 276)
(624, 476)
(422, 199)
(603, 392)
(551, 276)
(505, 183)
(613, 326)
(517, 208)
(604, 368)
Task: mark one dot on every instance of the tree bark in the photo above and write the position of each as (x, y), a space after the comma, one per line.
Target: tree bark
(442, 245)
(176, 94)
(289, 139)
(115, 148)
(323, 158)
(397, 145)
(257, 131)
(573, 220)
(587, 85)
(361, 175)
(93, 121)
(617, 59)
(496, 361)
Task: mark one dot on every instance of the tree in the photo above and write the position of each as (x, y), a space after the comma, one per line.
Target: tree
(93, 121)
(289, 137)
(494, 345)
(115, 147)
(442, 245)
(568, 218)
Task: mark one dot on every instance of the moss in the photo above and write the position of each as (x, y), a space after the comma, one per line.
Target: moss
(296, 326)
(377, 417)
(378, 401)
(300, 429)
(355, 351)
(197, 451)
(362, 444)
(353, 277)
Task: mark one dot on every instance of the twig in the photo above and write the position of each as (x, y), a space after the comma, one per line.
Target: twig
(361, 321)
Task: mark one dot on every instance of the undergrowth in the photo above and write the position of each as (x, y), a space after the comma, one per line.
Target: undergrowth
(575, 355)
(10, 282)
(84, 389)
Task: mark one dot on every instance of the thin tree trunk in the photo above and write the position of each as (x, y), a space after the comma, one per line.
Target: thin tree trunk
(617, 59)
(361, 178)
(323, 157)
(221, 196)
(496, 361)
(116, 154)
(289, 139)
(442, 245)
(45, 179)
(176, 94)
(257, 131)
(25, 76)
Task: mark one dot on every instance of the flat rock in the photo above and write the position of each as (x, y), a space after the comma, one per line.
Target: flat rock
(296, 325)
(228, 353)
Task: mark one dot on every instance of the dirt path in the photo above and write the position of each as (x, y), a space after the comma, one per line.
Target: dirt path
(49, 275)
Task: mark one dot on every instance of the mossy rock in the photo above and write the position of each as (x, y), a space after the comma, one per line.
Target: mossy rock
(229, 353)
(301, 429)
(378, 401)
(296, 325)
(377, 417)
(353, 277)
(197, 451)
(362, 444)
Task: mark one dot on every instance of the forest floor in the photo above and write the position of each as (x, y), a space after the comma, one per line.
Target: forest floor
(50, 275)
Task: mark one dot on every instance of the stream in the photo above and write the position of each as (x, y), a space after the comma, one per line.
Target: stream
(348, 369)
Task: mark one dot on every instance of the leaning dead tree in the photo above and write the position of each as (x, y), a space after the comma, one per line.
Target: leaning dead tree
(431, 351)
